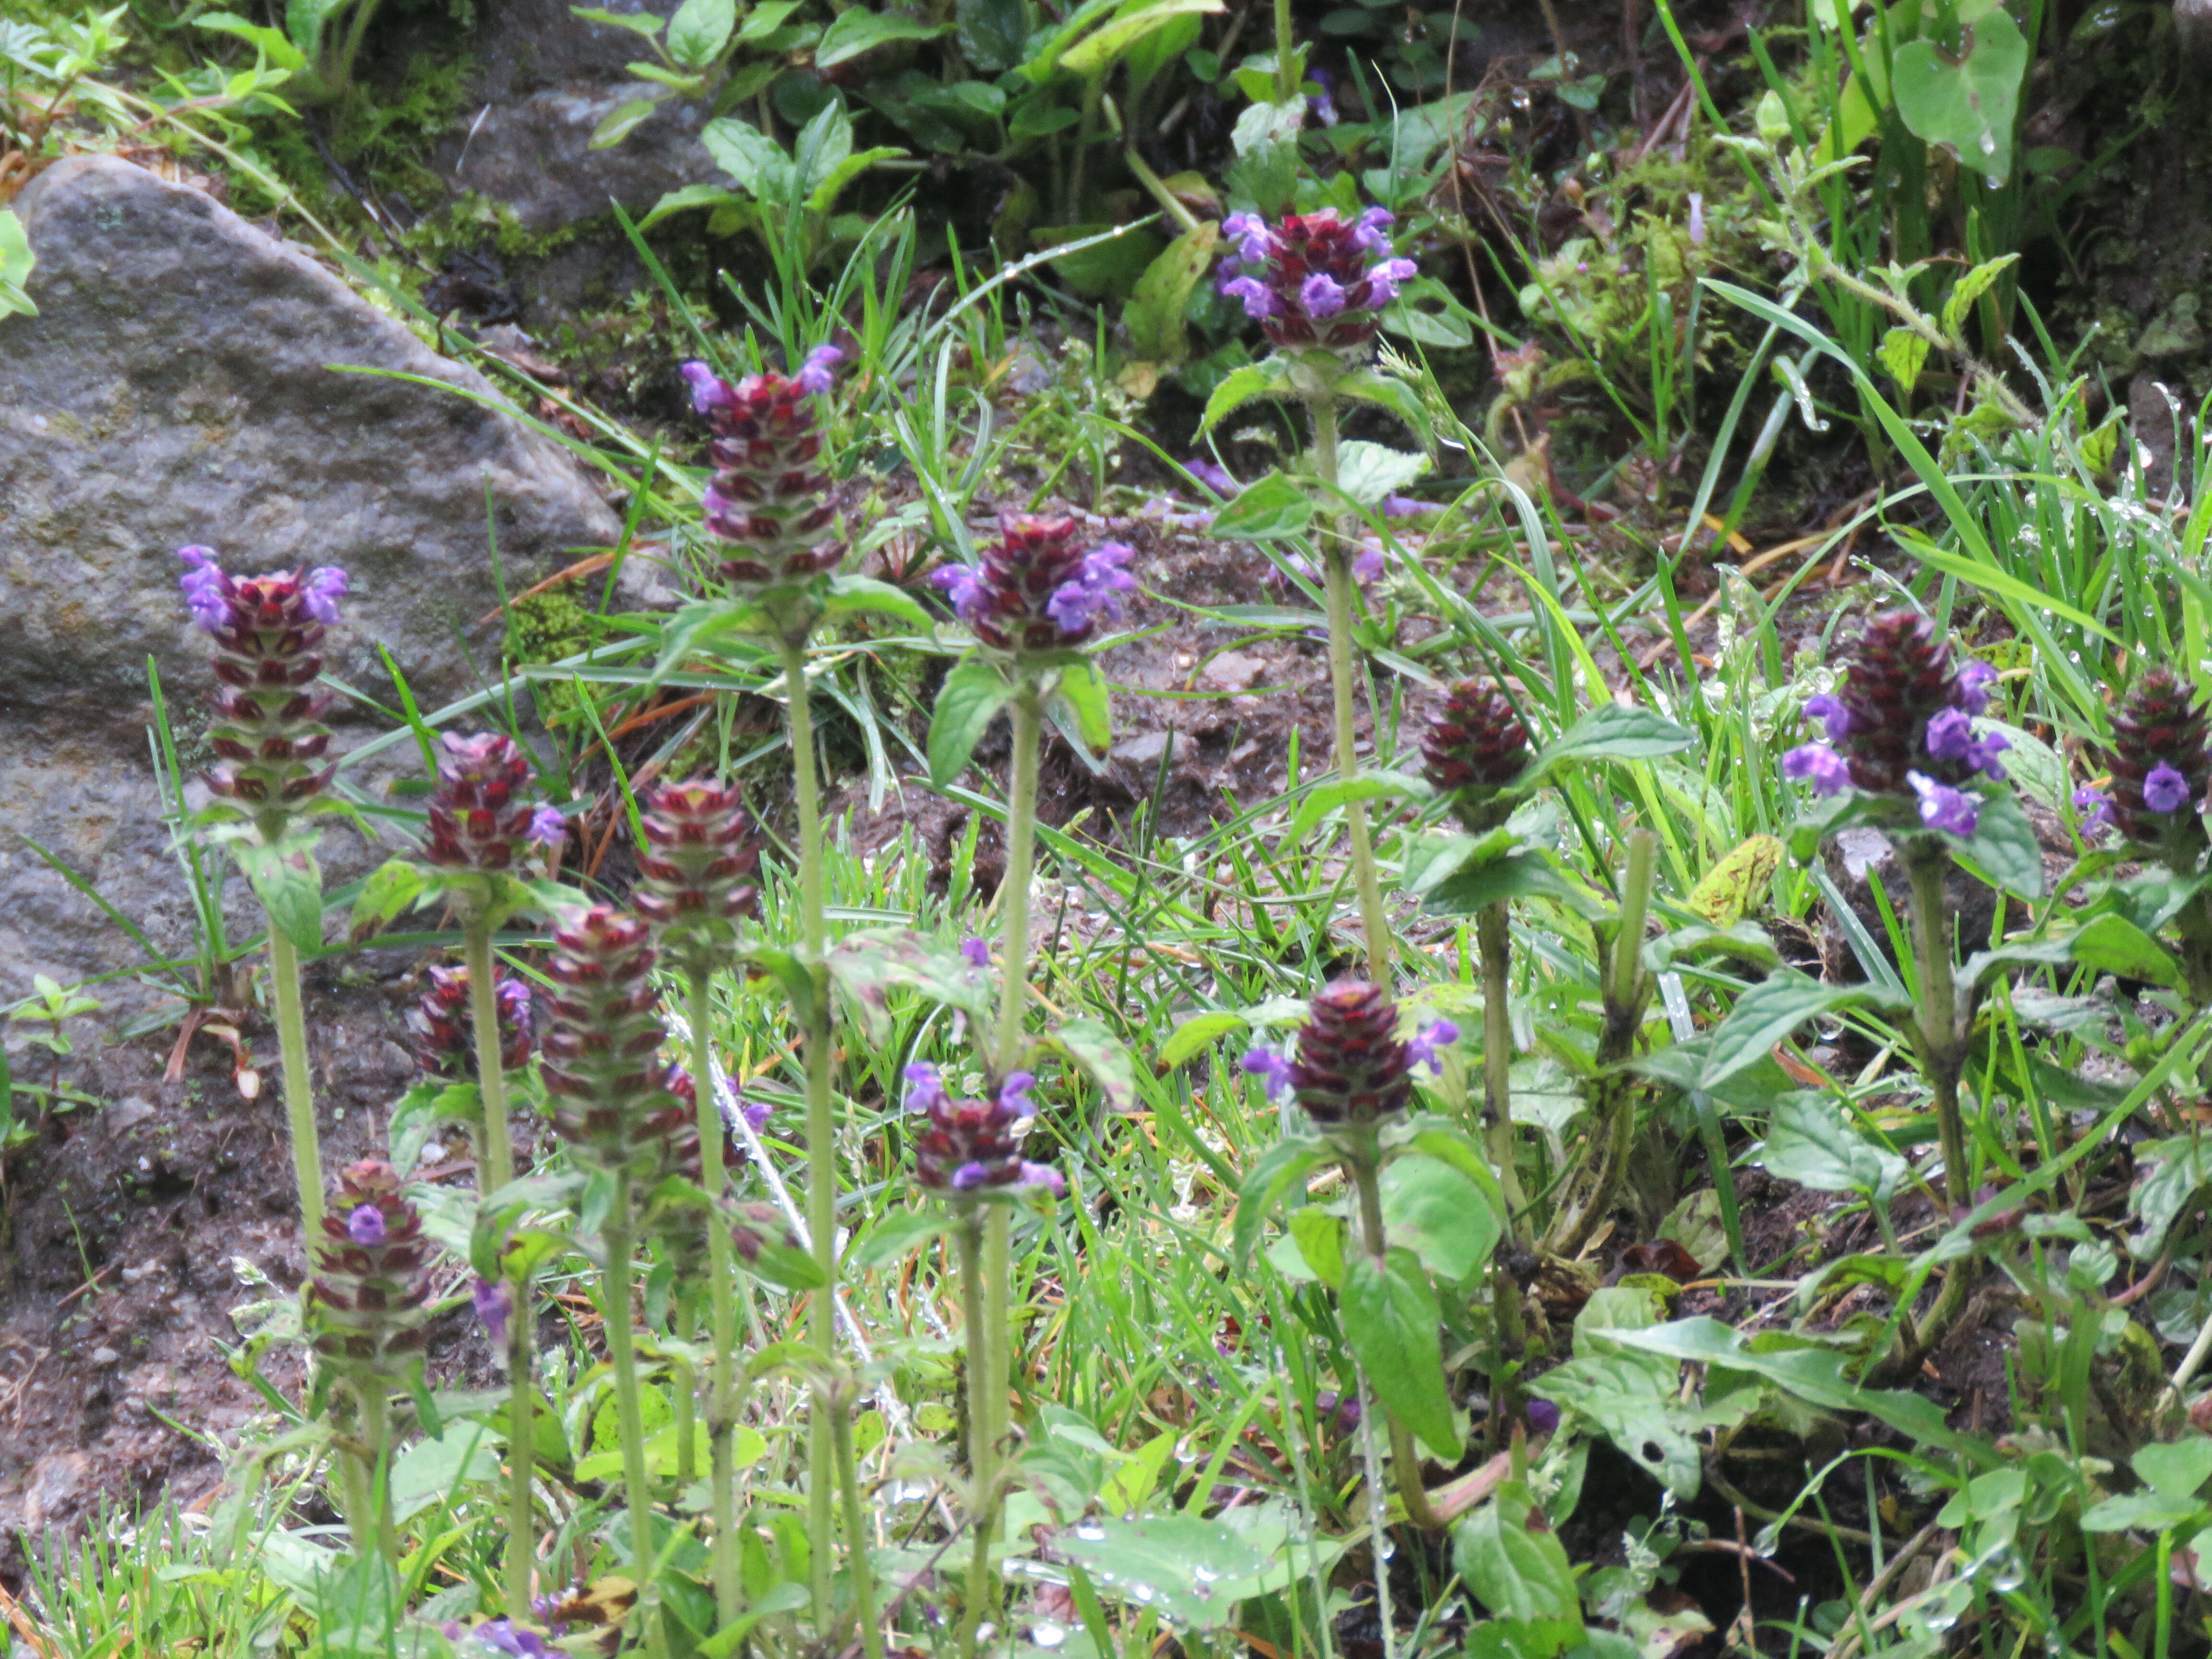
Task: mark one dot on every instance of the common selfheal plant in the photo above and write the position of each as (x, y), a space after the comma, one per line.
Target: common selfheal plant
(1038, 589)
(768, 501)
(1314, 279)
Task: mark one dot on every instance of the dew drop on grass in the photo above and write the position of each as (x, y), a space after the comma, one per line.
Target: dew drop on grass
(1143, 1592)
(1091, 1534)
(1047, 1635)
(1205, 1575)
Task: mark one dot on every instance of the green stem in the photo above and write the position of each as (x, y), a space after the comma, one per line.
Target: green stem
(521, 1457)
(821, 1127)
(494, 1151)
(1405, 1457)
(376, 1435)
(684, 1388)
(615, 1309)
(299, 1087)
(1286, 55)
(1494, 939)
(721, 1386)
(1021, 869)
(1927, 864)
(356, 1491)
(856, 1531)
(982, 1447)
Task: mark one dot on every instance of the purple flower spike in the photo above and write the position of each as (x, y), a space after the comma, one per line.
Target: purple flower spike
(975, 951)
(960, 586)
(495, 1305)
(365, 1226)
(1941, 807)
(1819, 765)
(1427, 1046)
(815, 376)
(1014, 1095)
(1382, 281)
(1835, 719)
(1950, 734)
(754, 1113)
(2165, 790)
(1982, 755)
(1321, 294)
(1272, 1068)
(924, 1087)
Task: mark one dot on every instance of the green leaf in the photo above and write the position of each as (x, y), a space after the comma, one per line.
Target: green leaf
(391, 888)
(858, 29)
(1391, 1322)
(16, 261)
(637, 22)
(2179, 1168)
(1903, 354)
(1809, 1142)
(623, 119)
(272, 44)
(1101, 1055)
(290, 886)
(869, 964)
(1254, 380)
(430, 1471)
(850, 595)
(1325, 798)
(1736, 886)
(1154, 315)
(765, 20)
(1610, 732)
(2003, 846)
(691, 195)
(1522, 875)
(1393, 394)
(2111, 944)
(1435, 1211)
(699, 30)
(973, 694)
(1769, 1011)
(991, 33)
(1369, 472)
(1265, 1183)
(895, 1235)
(1194, 1571)
(1082, 688)
(825, 190)
(1968, 102)
(1272, 506)
(749, 155)
(1507, 1554)
(2177, 1468)
(1096, 52)
(1319, 1238)
(1971, 288)
(1198, 1032)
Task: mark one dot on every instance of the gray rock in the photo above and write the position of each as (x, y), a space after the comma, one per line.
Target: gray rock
(182, 383)
(549, 78)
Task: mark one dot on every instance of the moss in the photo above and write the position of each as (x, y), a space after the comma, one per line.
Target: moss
(547, 628)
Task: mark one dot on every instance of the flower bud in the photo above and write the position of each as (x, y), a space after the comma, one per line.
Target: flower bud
(1037, 588)
(444, 1045)
(603, 1078)
(482, 815)
(696, 858)
(770, 498)
(271, 744)
(371, 1276)
(970, 1147)
(2159, 764)
(1309, 280)
(1350, 1068)
(1477, 747)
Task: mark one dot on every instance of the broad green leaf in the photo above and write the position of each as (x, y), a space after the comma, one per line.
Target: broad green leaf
(1320, 1239)
(1508, 1555)
(895, 1235)
(869, 964)
(1610, 732)
(1968, 102)
(699, 30)
(2003, 846)
(1194, 1571)
(1392, 1324)
(691, 195)
(1083, 688)
(971, 697)
(623, 119)
(2179, 1168)
(749, 156)
(1254, 380)
(852, 593)
(1096, 51)
(1370, 472)
(1439, 1214)
(1325, 798)
(272, 44)
(1903, 354)
(824, 192)
(1809, 1142)
(290, 886)
(1630, 1399)
(2111, 944)
(1272, 506)
(1197, 1033)
(765, 20)
(858, 29)
(1154, 316)
(1769, 1011)
(2176, 1468)
(1527, 874)
(1393, 394)
(993, 33)
(1101, 1055)
(391, 888)
(430, 1471)
(637, 22)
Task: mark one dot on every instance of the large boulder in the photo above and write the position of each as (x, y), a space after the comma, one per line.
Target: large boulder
(189, 379)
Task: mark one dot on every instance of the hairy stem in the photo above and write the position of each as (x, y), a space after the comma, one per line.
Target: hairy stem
(299, 1086)
(982, 1447)
(1021, 869)
(521, 1457)
(615, 1310)
(1336, 568)
(1405, 1457)
(821, 1127)
(1942, 1056)
(376, 1437)
(1494, 939)
(722, 1385)
(1286, 55)
(494, 1151)
(856, 1531)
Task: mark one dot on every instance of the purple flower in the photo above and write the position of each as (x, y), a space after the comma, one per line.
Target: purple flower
(1975, 679)
(1543, 1416)
(1982, 754)
(709, 391)
(1383, 281)
(1950, 734)
(1368, 566)
(1258, 300)
(2165, 790)
(1249, 232)
(2094, 806)
(1816, 764)
(326, 586)
(814, 376)
(503, 1635)
(1835, 720)
(1042, 1175)
(970, 1175)
(1406, 506)
(1426, 1045)
(755, 1112)
(1941, 807)
(1014, 1095)
(975, 951)
(547, 827)
(924, 1087)
(1093, 590)
(1369, 232)
(206, 589)
(1215, 478)
(513, 1005)
(365, 1226)
(1323, 105)
(960, 586)
(1273, 1068)
(495, 1305)
(1321, 294)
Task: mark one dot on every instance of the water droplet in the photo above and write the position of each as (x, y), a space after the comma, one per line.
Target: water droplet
(1206, 1575)
(1047, 1635)
(1989, 142)
(1091, 1534)
(1143, 1592)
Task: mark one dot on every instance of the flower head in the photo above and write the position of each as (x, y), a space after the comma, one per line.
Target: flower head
(1313, 279)
(482, 817)
(1350, 1068)
(503, 1637)
(969, 1148)
(439, 1021)
(604, 1082)
(1818, 764)
(271, 742)
(1835, 719)
(1037, 588)
(975, 951)
(2160, 768)
(768, 500)
(370, 1289)
(924, 1087)
(1476, 748)
(2165, 790)
(1427, 1046)
(1272, 1069)
(697, 856)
